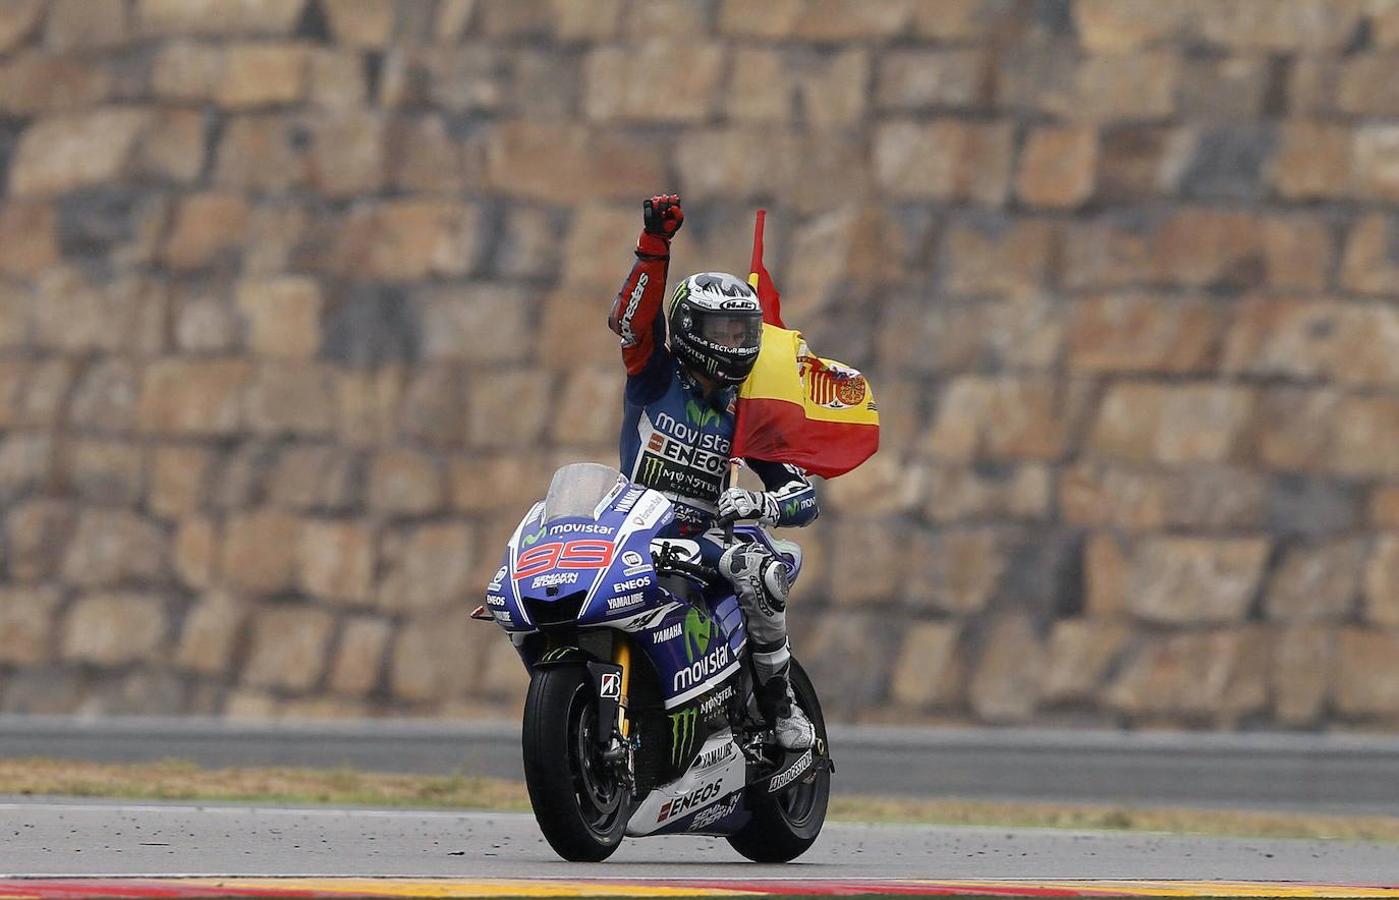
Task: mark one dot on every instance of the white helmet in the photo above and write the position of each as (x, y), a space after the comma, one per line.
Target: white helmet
(716, 325)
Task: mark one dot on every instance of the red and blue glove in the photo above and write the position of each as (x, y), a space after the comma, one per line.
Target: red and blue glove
(661, 218)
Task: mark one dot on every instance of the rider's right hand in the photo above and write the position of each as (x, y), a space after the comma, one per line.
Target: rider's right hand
(662, 216)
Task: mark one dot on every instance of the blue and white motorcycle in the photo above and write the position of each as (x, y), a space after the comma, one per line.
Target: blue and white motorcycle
(640, 717)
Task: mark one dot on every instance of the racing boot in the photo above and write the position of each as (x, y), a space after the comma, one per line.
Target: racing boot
(790, 725)
(760, 580)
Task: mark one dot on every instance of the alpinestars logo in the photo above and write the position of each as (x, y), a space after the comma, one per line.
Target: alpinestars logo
(633, 301)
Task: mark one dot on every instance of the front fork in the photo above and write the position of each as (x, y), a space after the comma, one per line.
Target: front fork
(611, 684)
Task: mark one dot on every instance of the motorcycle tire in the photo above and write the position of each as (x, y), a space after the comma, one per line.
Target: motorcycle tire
(579, 805)
(785, 825)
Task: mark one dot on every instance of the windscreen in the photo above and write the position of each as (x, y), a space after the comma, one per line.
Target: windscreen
(577, 489)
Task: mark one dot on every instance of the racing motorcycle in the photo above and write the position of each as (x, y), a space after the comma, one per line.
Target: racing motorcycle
(640, 717)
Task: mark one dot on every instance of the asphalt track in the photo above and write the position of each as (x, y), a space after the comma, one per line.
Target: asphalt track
(228, 849)
(67, 838)
(1341, 773)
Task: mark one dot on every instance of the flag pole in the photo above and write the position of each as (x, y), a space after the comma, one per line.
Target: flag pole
(731, 480)
(755, 265)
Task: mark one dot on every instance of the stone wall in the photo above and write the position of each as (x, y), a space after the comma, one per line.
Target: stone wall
(302, 300)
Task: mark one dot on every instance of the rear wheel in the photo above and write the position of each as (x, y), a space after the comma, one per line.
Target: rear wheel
(786, 824)
(578, 801)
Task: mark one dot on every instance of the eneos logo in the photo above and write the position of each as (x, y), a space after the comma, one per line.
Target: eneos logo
(672, 808)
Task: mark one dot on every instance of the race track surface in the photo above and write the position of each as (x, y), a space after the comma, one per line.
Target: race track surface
(112, 839)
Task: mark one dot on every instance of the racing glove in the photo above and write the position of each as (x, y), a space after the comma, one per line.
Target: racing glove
(661, 218)
(737, 503)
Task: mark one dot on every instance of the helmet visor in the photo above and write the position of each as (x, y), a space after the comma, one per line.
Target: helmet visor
(733, 331)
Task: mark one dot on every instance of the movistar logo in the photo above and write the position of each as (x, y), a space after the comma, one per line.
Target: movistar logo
(789, 509)
(682, 734)
(699, 629)
(530, 539)
(700, 417)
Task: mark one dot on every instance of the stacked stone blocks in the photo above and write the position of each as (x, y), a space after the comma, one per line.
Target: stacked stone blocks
(301, 301)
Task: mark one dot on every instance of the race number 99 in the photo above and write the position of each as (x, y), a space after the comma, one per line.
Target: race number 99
(572, 555)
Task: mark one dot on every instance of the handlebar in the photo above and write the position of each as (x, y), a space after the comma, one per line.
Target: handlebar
(686, 568)
(667, 563)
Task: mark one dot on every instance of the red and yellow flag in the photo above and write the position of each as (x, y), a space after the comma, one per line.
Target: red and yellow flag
(796, 407)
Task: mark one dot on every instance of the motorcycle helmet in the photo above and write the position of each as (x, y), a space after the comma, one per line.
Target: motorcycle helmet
(716, 326)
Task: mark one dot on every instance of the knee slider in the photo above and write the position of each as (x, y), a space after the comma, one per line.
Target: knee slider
(775, 582)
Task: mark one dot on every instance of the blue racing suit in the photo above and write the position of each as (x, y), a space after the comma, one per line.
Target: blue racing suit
(675, 437)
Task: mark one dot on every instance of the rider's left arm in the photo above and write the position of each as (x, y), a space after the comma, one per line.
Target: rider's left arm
(793, 491)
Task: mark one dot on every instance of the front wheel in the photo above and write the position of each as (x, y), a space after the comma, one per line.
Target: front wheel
(785, 825)
(579, 803)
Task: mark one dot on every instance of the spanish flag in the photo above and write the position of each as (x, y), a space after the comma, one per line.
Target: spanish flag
(796, 407)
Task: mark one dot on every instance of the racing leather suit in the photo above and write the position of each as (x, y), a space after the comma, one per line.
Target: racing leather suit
(676, 439)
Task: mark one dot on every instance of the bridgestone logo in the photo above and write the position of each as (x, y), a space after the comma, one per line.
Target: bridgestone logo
(798, 769)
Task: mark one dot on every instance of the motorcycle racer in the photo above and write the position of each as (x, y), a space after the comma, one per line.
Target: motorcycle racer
(677, 431)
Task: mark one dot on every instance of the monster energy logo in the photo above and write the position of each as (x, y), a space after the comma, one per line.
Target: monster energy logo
(651, 468)
(682, 290)
(698, 416)
(698, 631)
(682, 734)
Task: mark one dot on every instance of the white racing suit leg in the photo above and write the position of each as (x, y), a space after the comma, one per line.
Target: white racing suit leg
(760, 581)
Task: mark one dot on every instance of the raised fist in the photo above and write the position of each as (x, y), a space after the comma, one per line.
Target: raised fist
(663, 216)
